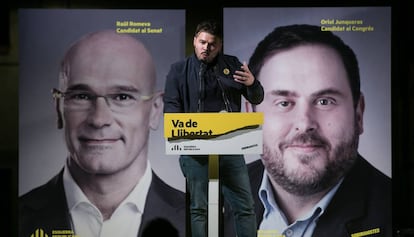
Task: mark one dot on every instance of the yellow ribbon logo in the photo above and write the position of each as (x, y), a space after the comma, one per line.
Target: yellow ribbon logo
(226, 71)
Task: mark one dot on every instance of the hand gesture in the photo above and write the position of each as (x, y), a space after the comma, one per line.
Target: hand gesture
(244, 75)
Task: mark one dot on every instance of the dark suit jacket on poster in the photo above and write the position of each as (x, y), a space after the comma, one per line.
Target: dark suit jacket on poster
(46, 207)
(361, 204)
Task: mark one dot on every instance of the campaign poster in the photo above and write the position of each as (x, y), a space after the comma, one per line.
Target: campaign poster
(367, 31)
(44, 37)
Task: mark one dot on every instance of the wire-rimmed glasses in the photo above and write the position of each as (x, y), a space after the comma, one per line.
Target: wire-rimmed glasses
(83, 100)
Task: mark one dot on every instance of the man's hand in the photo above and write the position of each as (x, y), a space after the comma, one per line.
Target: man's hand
(244, 75)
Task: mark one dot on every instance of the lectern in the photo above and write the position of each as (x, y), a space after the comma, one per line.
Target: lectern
(213, 134)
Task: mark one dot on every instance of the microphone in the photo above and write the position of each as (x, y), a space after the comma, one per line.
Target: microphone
(201, 74)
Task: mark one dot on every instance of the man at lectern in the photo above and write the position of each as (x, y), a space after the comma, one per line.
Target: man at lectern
(209, 81)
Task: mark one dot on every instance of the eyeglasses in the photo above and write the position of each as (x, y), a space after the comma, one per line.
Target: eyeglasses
(85, 100)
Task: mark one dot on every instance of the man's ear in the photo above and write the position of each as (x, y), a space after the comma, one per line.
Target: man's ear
(359, 113)
(59, 120)
(194, 41)
(156, 110)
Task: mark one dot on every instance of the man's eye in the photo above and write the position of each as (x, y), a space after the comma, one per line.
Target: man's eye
(80, 96)
(283, 104)
(122, 97)
(325, 101)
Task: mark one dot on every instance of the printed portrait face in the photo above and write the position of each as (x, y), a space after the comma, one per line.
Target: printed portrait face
(206, 46)
(106, 135)
(311, 127)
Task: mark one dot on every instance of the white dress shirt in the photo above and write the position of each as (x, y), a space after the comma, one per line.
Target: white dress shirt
(87, 220)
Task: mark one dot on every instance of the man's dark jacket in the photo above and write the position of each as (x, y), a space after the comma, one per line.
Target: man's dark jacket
(362, 203)
(183, 88)
(46, 207)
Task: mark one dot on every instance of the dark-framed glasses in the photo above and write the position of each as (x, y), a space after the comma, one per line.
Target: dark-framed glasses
(82, 100)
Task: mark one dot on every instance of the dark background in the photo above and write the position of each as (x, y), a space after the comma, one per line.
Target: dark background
(402, 88)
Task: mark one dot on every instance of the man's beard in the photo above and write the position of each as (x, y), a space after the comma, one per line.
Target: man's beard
(343, 158)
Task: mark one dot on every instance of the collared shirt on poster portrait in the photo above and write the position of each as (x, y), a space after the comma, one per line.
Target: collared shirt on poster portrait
(87, 220)
(275, 223)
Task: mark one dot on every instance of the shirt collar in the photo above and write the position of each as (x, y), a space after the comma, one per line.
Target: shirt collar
(75, 196)
(267, 198)
(266, 195)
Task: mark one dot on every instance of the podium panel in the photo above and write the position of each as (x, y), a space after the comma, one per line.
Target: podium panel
(213, 133)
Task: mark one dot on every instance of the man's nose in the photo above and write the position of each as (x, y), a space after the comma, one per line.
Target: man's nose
(306, 119)
(208, 47)
(101, 114)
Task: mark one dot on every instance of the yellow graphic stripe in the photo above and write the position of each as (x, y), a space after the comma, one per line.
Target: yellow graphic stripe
(182, 134)
(366, 233)
(269, 233)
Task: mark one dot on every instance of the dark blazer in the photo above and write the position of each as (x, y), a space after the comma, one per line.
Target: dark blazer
(362, 203)
(46, 207)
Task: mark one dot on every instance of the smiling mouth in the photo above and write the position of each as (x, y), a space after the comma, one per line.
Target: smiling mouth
(305, 147)
(90, 141)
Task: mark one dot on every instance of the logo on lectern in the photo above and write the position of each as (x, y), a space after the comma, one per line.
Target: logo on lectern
(176, 148)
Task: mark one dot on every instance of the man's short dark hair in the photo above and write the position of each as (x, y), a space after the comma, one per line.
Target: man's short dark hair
(286, 37)
(210, 26)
